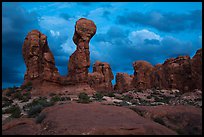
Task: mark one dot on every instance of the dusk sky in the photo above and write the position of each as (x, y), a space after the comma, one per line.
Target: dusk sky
(126, 32)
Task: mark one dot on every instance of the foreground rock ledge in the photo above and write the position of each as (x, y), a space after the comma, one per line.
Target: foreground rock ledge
(93, 119)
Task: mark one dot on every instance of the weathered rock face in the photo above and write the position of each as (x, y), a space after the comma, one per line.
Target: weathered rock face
(79, 61)
(38, 58)
(101, 77)
(123, 82)
(180, 73)
(196, 69)
(177, 74)
(142, 71)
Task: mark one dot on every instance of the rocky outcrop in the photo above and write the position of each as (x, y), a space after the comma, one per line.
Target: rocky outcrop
(79, 61)
(180, 73)
(185, 120)
(101, 77)
(38, 58)
(196, 69)
(142, 71)
(123, 82)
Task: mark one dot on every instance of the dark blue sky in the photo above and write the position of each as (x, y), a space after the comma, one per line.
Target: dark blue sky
(126, 32)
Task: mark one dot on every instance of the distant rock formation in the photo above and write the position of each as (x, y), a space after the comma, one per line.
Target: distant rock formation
(176, 74)
(196, 69)
(79, 61)
(142, 71)
(180, 73)
(38, 58)
(101, 77)
(123, 82)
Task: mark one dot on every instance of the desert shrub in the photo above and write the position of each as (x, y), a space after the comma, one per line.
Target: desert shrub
(143, 101)
(127, 97)
(98, 96)
(159, 120)
(111, 94)
(40, 118)
(6, 102)
(123, 103)
(65, 98)
(14, 110)
(10, 91)
(34, 110)
(83, 98)
(55, 98)
(37, 106)
(58, 98)
(18, 96)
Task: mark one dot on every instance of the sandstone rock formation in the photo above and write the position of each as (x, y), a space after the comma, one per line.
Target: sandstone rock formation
(177, 73)
(79, 61)
(196, 69)
(142, 71)
(38, 58)
(123, 82)
(101, 77)
(180, 73)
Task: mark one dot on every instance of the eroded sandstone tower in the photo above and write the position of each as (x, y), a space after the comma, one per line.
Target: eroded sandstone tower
(39, 60)
(79, 61)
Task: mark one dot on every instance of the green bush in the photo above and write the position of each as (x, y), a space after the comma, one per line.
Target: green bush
(11, 91)
(35, 110)
(6, 102)
(58, 98)
(123, 103)
(149, 97)
(83, 98)
(40, 118)
(14, 110)
(65, 98)
(127, 97)
(111, 94)
(55, 99)
(98, 96)
(37, 106)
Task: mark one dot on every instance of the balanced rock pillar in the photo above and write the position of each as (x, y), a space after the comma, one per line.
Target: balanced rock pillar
(79, 61)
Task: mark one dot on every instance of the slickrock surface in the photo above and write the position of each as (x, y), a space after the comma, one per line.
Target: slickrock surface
(101, 77)
(79, 61)
(21, 126)
(94, 118)
(182, 119)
